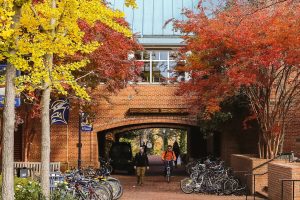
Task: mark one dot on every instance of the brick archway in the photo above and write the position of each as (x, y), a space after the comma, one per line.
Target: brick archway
(140, 123)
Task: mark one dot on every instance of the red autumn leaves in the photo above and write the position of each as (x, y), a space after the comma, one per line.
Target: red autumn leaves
(238, 46)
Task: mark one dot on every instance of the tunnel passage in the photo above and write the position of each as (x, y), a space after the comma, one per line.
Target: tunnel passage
(197, 144)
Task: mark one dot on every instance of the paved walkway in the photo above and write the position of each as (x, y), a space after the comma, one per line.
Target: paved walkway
(156, 188)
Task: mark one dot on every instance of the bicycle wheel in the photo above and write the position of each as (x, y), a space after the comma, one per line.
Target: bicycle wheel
(187, 185)
(101, 193)
(109, 169)
(168, 178)
(230, 186)
(116, 186)
(106, 186)
(194, 175)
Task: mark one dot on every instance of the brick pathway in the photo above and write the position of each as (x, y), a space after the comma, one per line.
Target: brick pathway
(156, 188)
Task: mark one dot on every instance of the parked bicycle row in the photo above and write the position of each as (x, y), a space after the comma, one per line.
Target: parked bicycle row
(211, 176)
(89, 183)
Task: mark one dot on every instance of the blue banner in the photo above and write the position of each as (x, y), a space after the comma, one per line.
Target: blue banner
(86, 124)
(17, 101)
(60, 111)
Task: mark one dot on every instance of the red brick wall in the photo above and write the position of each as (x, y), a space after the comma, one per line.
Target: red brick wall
(242, 164)
(111, 113)
(279, 171)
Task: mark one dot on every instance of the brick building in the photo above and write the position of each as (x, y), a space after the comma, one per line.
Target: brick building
(150, 103)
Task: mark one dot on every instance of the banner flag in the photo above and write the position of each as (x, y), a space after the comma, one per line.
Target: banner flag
(60, 111)
(86, 124)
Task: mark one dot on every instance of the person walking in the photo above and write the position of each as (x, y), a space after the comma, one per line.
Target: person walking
(176, 150)
(141, 163)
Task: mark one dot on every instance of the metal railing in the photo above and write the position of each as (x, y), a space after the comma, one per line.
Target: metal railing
(289, 155)
(254, 182)
(293, 184)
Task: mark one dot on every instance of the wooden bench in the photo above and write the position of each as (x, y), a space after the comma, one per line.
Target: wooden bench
(35, 167)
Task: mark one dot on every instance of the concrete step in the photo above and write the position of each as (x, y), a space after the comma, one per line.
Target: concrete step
(262, 194)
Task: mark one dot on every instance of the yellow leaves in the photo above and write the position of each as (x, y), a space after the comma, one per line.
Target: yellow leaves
(92, 11)
(37, 37)
(131, 3)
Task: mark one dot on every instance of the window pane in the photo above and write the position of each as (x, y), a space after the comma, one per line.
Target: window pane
(155, 55)
(138, 55)
(160, 71)
(146, 55)
(175, 76)
(145, 74)
(173, 55)
(164, 55)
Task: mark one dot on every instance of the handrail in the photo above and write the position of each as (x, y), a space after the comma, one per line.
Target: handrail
(282, 154)
(250, 172)
(253, 182)
(288, 180)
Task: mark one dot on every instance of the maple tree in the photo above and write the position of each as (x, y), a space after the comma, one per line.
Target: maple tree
(109, 64)
(32, 34)
(246, 49)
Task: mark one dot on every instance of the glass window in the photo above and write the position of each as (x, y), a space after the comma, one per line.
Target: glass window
(145, 74)
(138, 55)
(159, 71)
(164, 55)
(160, 66)
(155, 55)
(173, 55)
(146, 55)
(175, 75)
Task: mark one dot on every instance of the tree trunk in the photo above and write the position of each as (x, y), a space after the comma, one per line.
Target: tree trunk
(9, 124)
(8, 135)
(45, 139)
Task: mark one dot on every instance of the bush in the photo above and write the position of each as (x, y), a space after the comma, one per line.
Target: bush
(61, 192)
(26, 189)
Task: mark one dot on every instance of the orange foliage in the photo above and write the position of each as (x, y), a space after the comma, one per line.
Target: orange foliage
(236, 46)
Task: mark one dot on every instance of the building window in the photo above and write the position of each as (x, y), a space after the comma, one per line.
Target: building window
(159, 67)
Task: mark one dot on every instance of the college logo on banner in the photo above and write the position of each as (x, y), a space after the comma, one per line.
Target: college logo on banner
(86, 124)
(60, 111)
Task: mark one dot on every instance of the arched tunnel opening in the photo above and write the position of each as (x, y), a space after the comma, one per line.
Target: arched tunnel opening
(193, 144)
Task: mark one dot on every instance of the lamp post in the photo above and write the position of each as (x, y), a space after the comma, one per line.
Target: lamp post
(79, 144)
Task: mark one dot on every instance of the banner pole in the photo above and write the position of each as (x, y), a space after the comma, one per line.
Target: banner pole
(91, 148)
(79, 145)
(67, 146)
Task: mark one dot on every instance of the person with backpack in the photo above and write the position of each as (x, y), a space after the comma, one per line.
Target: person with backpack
(168, 156)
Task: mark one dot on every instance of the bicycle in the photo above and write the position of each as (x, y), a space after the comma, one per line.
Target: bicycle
(210, 176)
(168, 167)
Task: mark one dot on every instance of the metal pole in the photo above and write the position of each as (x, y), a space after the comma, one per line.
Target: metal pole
(254, 186)
(67, 146)
(79, 145)
(293, 190)
(91, 147)
(281, 189)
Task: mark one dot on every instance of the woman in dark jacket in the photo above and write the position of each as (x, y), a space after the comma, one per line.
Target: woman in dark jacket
(141, 163)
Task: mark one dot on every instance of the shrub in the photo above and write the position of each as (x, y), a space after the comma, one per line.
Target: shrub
(26, 189)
